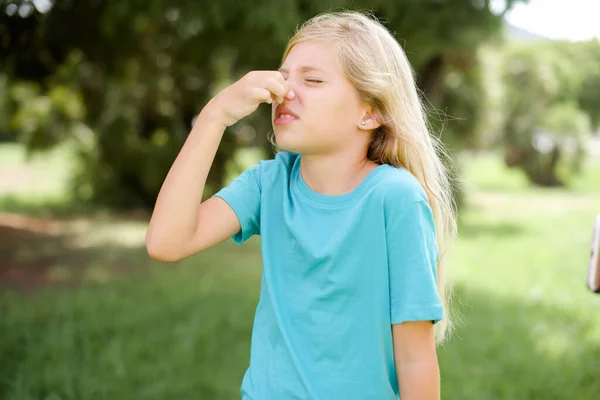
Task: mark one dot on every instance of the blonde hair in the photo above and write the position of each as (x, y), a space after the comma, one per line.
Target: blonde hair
(378, 68)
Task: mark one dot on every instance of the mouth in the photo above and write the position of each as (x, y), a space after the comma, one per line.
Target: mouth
(284, 115)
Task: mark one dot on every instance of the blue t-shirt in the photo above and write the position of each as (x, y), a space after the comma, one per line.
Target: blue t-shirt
(338, 271)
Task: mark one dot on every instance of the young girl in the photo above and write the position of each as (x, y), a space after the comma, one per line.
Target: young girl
(351, 214)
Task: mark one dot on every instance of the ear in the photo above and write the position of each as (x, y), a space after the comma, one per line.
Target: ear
(371, 120)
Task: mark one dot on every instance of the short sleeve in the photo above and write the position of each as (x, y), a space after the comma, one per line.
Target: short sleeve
(243, 196)
(412, 258)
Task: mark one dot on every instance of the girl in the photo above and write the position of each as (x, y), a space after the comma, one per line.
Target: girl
(351, 214)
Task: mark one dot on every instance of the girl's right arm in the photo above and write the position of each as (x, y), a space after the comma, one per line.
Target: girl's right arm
(181, 224)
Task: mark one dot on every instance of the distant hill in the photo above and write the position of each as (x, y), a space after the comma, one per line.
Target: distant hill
(514, 33)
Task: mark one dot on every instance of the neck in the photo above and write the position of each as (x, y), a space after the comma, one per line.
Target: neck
(335, 174)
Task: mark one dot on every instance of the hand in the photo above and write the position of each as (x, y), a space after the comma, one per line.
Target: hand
(243, 97)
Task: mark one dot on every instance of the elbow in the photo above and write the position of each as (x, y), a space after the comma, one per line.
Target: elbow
(160, 255)
(159, 250)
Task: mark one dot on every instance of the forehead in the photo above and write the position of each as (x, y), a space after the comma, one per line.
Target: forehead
(311, 55)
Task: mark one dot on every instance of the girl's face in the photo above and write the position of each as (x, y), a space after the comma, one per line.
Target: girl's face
(326, 112)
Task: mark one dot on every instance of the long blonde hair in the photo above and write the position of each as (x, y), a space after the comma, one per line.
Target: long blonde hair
(378, 68)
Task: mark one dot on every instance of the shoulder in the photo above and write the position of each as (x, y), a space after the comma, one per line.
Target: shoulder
(283, 161)
(405, 204)
(399, 188)
(277, 168)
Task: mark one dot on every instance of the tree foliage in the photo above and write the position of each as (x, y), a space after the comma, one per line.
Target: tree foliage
(548, 110)
(124, 79)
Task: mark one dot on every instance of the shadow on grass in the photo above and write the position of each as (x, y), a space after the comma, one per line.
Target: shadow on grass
(181, 331)
(66, 251)
(511, 349)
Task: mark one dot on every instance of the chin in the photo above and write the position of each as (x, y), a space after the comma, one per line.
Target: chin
(288, 145)
(284, 139)
(296, 148)
(293, 142)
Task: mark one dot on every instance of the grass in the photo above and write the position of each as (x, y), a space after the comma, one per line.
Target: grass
(178, 332)
(529, 329)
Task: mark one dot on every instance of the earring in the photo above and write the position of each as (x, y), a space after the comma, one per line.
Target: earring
(363, 123)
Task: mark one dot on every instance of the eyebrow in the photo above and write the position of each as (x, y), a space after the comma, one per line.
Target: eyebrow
(304, 68)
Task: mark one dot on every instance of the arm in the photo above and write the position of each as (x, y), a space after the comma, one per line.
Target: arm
(414, 299)
(416, 361)
(175, 226)
(181, 224)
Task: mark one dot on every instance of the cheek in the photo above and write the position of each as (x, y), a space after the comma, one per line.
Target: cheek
(329, 111)
(340, 113)
(327, 107)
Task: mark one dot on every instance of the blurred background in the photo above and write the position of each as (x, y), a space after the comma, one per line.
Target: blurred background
(97, 98)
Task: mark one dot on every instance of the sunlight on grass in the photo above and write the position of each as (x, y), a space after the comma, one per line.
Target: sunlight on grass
(589, 180)
(487, 172)
(11, 154)
(34, 182)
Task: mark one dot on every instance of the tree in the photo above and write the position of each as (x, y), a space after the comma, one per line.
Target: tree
(544, 124)
(124, 79)
(589, 94)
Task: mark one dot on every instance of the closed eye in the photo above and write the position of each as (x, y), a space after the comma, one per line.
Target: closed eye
(314, 80)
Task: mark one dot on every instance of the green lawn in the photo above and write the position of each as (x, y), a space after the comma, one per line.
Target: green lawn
(138, 329)
(530, 328)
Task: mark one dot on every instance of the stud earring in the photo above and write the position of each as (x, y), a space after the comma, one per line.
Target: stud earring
(363, 123)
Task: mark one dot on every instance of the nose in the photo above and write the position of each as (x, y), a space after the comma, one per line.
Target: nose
(291, 94)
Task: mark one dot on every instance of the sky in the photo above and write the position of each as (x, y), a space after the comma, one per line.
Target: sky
(556, 19)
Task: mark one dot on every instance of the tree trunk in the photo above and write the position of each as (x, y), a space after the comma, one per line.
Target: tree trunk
(541, 170)
(428, 77)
